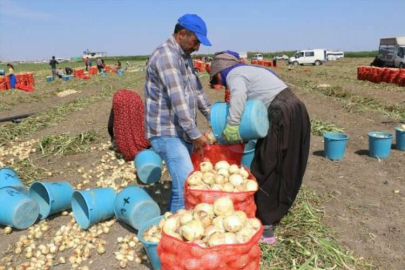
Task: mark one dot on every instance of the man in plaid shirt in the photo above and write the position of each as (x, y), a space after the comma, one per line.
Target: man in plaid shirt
(173, 93)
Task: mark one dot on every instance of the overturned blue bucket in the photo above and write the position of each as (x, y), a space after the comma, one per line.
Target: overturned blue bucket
(49, 79)
(92, 206)
(150, 247)
(400, 138)
(135, 207)
(379, 144)
(335, 145)
(254, 123)
(9, 178)
(52, 198)
(17, 210)
(148, 165)
(249, 153)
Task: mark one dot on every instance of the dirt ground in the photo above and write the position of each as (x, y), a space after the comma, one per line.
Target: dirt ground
(365, 195)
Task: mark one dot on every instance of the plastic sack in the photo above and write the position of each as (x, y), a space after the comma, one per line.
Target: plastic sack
(175, 254)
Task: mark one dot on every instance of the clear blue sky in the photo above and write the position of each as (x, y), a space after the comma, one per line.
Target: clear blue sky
(39, 29)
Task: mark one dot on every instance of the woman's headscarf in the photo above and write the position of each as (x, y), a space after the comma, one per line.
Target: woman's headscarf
(223, 61)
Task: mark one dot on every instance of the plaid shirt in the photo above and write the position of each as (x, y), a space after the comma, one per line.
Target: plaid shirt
(173, 93)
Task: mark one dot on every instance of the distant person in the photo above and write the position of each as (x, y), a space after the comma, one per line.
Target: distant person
(11, 75)
(53, 64)
(274, 61)
(68, 70)
(99, 64)
(377, 62)
(102, 63)
(59, 73)
(118, 65)
(86, 62)
(90, 63)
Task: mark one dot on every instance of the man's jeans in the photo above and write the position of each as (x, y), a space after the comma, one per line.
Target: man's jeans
(176, 154)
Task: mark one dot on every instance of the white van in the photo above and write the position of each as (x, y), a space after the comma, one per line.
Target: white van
(304, 57)
(334, 55)
(257, 56)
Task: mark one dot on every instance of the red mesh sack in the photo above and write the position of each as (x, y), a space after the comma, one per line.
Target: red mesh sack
(359, 73)
(231, 152)
(243, 201)
(24, 87)
(176, 254)
(129, 129)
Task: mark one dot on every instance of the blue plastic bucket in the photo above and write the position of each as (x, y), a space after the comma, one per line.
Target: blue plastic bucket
(335, 145)
(400, 138)
(52, 198)
(379, 147)
(150, 247)
(253, 125)
(148, 165)
(49, 79)
(134, 206)
(92, 206)
(248, 153)
(16, 209)
(65, 78)
(9, 178)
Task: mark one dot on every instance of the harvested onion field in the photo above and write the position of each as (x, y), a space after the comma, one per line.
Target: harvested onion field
(349, 214)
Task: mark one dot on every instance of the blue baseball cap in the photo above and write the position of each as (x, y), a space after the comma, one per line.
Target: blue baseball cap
(196, 25)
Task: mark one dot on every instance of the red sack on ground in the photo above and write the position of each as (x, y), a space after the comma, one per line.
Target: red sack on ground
(24, 87)
(129, 118)
(359, 73)
(175, 254)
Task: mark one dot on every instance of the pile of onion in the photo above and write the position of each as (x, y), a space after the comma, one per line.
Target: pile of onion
(221, 177)
(206, 225)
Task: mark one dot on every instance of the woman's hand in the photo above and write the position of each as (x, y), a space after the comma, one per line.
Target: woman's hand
(231, 134)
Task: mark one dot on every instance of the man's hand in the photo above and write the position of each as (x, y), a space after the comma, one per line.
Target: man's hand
(200, 142)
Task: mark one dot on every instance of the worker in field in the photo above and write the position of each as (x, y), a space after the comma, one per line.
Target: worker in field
(281, 157)
(99, 63)
(53, 64)
(68, 71)
(86, 62)
(11, 75)
(173, 93)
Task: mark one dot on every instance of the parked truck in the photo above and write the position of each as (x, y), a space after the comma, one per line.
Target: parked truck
(392, 52)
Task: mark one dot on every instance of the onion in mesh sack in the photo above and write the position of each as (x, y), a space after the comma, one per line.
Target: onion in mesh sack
(223, 206)
(233, 223)
(206, 207)
(223, 164)
(206, 225)
(206, 166)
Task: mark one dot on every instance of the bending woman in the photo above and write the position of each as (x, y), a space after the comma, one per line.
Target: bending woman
(281, 157)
